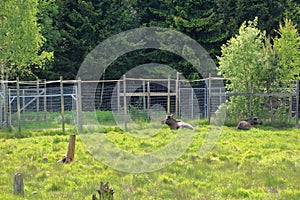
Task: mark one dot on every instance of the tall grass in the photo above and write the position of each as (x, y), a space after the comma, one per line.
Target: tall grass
(262, 163)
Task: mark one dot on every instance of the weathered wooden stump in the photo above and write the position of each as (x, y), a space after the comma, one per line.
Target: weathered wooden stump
(105, 193)
(18, 184)
(71, 151)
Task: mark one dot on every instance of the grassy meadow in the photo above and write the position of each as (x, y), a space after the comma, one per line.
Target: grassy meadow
(262, 163)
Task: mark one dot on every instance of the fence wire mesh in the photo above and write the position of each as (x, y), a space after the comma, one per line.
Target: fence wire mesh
(36, 105)
(45, 104)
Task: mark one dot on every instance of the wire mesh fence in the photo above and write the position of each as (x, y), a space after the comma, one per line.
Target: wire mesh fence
(36, 104)
(64, 103)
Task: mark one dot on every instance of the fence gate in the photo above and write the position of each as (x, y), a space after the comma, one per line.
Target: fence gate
(31, 101)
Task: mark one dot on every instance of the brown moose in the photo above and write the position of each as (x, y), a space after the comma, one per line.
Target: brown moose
(247, 124)
(175, 124)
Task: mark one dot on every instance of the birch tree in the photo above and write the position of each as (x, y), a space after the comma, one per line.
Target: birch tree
(20, 38)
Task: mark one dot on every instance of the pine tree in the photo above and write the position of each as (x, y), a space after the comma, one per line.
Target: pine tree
(83, 25)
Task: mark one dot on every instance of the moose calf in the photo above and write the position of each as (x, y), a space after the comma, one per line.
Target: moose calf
(175, 124)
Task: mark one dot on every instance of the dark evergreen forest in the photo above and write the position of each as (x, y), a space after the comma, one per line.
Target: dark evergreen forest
(73, 28)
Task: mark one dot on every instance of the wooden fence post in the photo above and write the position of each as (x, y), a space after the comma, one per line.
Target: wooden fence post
(7, 103)
(18, 184)
(144, 97)
(290, 107)
(192, 103)
(23, 101)
(62, 104)
(2, 105)
(148, 100)
(79, 105)
(169, 97)
(45, 100)
(297, 102)
(250, 101)
(18, 105)
(177, 96)
(118, 96)
(38, 100)
(209, 98)
(124, 103)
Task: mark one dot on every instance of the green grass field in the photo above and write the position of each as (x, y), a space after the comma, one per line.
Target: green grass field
(262, 163)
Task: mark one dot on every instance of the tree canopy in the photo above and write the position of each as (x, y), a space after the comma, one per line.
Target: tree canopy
(20, 38)
(31, 30)
(254, 63)
(287, 46)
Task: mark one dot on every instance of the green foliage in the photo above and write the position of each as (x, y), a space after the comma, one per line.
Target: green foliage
(138, 115)
(240, 63)
(46, 15)
(33, 133)
(20, 38)
(293, 11)
(251, 64)
(31, 122)
(198, 20)
(234, 13)
(287, 46)
(105, 118)
(242, 58)
(82, 26)
(71, 29)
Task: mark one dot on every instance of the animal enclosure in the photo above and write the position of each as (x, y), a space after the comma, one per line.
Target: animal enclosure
(55, 104)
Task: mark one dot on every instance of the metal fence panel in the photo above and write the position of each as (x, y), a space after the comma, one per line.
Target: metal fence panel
(41, 101)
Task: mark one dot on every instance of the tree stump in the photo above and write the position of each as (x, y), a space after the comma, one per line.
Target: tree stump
(105, 193)
(71, 151)
(18, 184)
